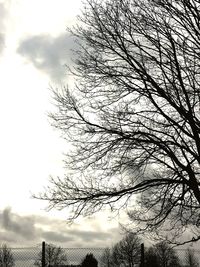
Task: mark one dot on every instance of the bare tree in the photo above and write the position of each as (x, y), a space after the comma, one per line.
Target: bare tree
(126, 252)
(54, 256)
(161, 255)
(132, 116)
(106, 258)
(151, 259)
(166, 255)
(190, 259)
(6, 256)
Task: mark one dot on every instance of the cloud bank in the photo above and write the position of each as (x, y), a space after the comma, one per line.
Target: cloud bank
(48, 54)
(18, 230)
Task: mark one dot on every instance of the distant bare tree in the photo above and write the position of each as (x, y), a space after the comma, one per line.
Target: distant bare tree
(54, 256)
(161, 255)
(106, 258)
(166, 255)
(127, 251)
(133, 115)
(6, 256)
(151, 259)
(190, 259)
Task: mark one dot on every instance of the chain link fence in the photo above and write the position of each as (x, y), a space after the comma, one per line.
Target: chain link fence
(34, 257)
(188, 257)
(76, 255)
(22, 257)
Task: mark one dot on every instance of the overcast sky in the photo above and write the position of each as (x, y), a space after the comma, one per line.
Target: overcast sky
(34, 47)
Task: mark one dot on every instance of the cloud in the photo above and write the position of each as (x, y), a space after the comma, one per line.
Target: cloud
(33, 229)
(7, 238)
(48, 54)
(3, 16)
(2, 42)
(53, 237)
(91, 236)
(19, 225)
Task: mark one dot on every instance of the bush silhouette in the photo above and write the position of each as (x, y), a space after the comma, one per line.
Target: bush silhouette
(89, 261)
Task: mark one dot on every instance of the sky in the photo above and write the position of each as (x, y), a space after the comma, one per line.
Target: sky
(34, 48)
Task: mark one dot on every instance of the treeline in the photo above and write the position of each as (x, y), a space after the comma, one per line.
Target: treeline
(127, 253)
(54, 256)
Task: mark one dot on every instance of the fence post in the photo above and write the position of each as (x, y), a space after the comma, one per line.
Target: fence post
(43, 254)
(142, 255)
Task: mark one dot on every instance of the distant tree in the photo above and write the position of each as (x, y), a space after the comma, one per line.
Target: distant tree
(190, 259)
(133, 115)
(106, 258)
(89, 261)
(151, 259)
(166, 256)
(6, 256)
(117, 260)
(127, 251)
(54, 256)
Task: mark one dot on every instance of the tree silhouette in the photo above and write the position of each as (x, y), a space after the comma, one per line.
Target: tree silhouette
(166, 256)
(127, 251)
(54, 256)
(161, 255)
(132, 116)
(151, 259)
(89, 261)
(106, 258)
(6, 256)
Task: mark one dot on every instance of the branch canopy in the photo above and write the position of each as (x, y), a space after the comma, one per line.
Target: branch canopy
(133, 115)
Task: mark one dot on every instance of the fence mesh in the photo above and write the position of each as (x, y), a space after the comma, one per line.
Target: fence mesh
(24, 257)
(188, 257)
(28, 257)
(76, 255)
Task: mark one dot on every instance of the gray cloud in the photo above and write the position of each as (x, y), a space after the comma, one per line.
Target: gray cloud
(91, 236)
(7, 238)
(53, 237)
(49, 54)
(2, 42)
(31, 230)
(23, 226)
